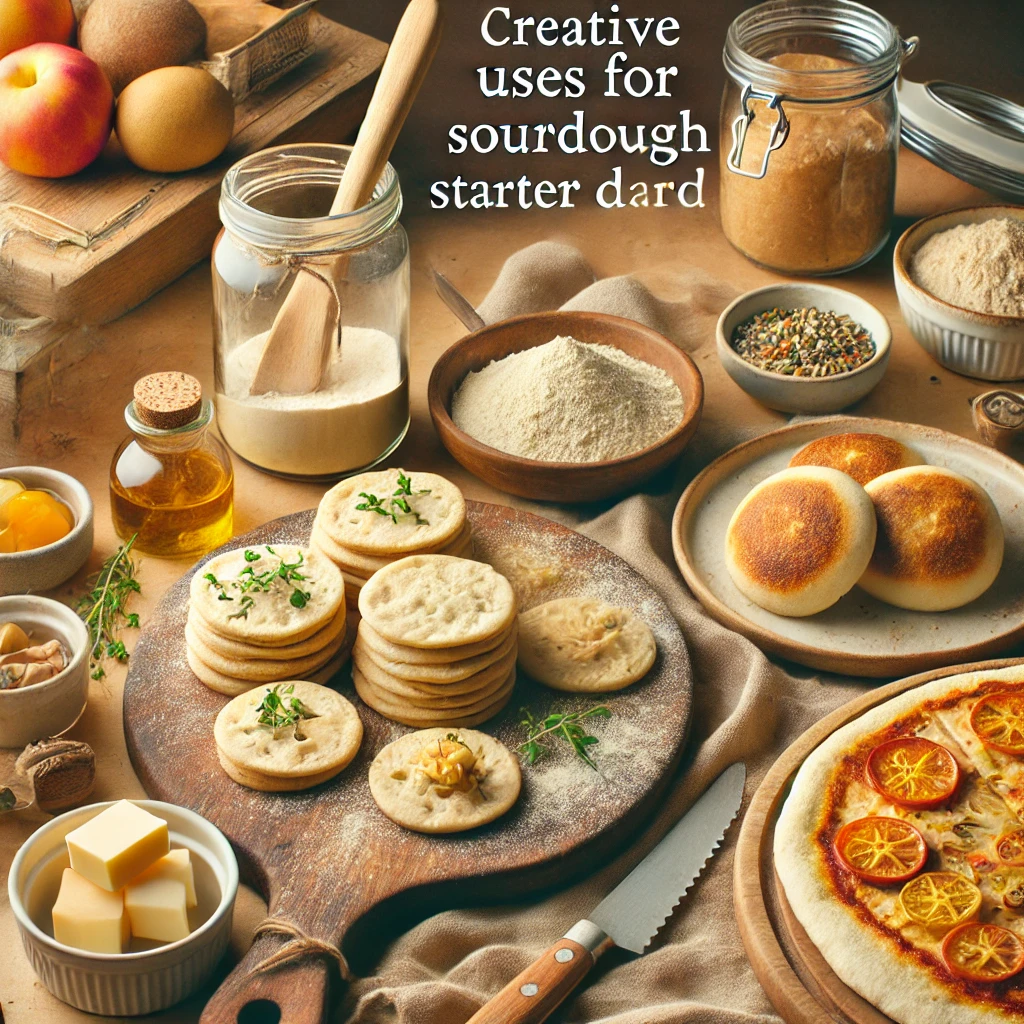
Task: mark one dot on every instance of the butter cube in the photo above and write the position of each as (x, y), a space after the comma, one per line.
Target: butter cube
(118, 844)
(177, 865)
(156, 909)
(88, 917)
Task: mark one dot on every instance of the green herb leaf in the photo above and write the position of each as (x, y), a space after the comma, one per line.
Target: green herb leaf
(280, 710)
(103, 608)
(565, 727)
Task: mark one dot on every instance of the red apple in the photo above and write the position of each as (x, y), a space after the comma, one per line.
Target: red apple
(56, 106)
(24, 22)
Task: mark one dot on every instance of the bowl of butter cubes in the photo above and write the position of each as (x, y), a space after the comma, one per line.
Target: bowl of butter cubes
(124, 908)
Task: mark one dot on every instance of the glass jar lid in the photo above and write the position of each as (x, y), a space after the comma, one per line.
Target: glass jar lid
(972, 134)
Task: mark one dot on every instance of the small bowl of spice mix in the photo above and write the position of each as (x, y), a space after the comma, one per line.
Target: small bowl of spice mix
(804, 348)
(960, 281)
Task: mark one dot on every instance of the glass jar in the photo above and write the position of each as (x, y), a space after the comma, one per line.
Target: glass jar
(809, 134)
(173, 489)
(275, 208)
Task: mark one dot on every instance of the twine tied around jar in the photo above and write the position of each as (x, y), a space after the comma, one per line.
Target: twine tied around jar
(298, 947)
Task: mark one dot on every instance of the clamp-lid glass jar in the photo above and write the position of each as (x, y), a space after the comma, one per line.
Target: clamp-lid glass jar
(275, 208)
(810, 134)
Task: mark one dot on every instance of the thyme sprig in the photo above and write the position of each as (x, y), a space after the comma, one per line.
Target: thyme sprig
(279, 710)
(250, 581)
(396, 504)
(567, 728)
(104, 608)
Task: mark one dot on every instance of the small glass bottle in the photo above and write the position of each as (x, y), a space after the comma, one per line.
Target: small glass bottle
(171, 481)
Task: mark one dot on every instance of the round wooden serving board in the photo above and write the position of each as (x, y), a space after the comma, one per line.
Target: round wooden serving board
(328, 861)
(798, 981)
(858, 635)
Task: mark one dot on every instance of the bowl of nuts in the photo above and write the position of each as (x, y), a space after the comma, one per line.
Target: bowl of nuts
(44, 669)
(804, 348)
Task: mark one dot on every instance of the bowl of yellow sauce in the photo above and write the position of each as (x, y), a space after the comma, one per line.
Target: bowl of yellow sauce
(46, 528)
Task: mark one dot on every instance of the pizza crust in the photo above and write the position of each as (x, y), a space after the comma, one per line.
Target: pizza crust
(861, 957)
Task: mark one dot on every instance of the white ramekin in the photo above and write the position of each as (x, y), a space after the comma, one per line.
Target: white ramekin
(50, 708)
(974, 344)
(22, 572)
(124, 984)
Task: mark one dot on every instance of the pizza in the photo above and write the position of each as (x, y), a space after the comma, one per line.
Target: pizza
(900, 848)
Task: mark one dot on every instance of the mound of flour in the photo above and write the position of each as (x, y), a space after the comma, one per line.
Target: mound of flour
(568, 401)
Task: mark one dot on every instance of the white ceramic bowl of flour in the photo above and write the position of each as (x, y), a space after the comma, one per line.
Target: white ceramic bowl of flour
(975, 344)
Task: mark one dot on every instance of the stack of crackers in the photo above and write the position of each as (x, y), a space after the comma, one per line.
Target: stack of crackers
(287, 737)
(437, 642)
(368, 521)
(263, 614)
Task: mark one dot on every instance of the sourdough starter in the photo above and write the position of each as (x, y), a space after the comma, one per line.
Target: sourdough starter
(361, 410)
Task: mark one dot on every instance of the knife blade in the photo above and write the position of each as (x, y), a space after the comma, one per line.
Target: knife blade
(457, 302)
(630, 915)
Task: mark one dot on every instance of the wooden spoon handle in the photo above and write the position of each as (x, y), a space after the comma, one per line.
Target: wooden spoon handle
(536, 993)
(298, 989)
(406, 65)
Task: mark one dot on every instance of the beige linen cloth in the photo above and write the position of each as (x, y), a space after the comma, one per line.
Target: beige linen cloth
(745, 708)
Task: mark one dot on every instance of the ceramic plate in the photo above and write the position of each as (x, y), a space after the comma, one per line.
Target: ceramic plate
(859, 635)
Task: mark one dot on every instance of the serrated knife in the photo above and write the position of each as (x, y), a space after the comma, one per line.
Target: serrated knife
(630, 915)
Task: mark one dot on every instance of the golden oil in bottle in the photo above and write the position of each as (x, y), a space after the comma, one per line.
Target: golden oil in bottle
(171, 481)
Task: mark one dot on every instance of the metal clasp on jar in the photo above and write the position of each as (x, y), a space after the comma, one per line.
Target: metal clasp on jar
(779, 132)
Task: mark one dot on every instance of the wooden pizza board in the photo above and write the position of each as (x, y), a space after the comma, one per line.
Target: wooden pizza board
(798, 981)
(328, 860)
(87, 248)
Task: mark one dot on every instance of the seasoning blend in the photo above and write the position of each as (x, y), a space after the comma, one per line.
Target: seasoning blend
(171, 481)
(275, 209)
(810, 134)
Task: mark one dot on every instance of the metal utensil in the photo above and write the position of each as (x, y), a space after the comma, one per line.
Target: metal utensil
(630, 915)
(457, 302)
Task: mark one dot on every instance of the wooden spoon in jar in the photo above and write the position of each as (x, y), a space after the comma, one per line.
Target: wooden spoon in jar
(298, 347)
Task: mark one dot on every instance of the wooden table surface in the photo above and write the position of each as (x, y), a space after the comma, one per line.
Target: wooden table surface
(76, 419)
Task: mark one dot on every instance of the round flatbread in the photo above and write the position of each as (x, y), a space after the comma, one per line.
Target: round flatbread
(860, 924)
(364, 566)
(259, 670)
(267, 612)
(861, 456)
(231, 686)
(324, 740)
(584, 645)
(940, 540)
(437, 601)
(413, 799)
(438, 512)
(800, 540)
(236, 649)
(429, 695)
(441, 656)
(463, 671)
(400, 711)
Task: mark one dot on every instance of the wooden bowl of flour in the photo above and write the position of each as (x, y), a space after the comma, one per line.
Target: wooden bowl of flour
(562, 481)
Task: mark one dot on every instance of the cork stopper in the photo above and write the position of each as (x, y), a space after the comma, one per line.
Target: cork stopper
(168, 400)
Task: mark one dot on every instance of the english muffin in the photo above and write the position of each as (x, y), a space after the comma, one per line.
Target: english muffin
(940, 540)
(862, 456)
(800, 540)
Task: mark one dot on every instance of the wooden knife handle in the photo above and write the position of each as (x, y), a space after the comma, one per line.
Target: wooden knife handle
(535, 994)
(297, 990)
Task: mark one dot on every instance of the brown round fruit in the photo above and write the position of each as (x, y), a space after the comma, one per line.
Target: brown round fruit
(127, 38)
(174, 119)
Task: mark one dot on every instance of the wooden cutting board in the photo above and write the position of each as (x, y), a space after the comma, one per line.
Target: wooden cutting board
(327, 860)
(87, 248)
(798, 981)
